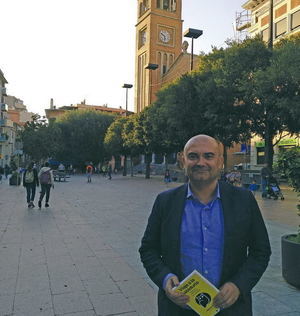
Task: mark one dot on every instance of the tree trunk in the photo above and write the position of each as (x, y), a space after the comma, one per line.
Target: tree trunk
(166, 162)
(269, 150)
(148, 159)
(225, 157)
(125, 166)
(131, 166)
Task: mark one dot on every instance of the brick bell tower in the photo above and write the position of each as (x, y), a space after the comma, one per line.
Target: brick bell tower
(158, 42)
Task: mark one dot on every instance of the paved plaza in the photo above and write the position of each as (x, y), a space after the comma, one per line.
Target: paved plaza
(79, 257)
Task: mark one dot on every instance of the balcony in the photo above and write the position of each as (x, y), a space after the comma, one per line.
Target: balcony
(3, 107)
(3, 138)
(2, 122)
(3, 91)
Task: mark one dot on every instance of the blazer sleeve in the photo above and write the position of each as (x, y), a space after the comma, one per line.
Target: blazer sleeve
(259, 252)
(150, 250)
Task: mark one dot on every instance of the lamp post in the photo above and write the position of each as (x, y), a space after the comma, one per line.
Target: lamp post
(192, 33)
(151, 67)
(127, 86)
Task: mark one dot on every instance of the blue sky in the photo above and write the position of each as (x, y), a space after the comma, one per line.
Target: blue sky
(71, 50)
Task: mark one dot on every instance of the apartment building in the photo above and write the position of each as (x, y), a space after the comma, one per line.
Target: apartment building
(256, 19)
(13, 116)
(4, 150)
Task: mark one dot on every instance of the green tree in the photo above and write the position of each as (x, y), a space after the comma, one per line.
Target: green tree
(40, 141)
(83, 135)
(114, 142)
(272, 96)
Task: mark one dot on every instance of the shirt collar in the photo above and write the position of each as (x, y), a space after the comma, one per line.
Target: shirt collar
(190, 194)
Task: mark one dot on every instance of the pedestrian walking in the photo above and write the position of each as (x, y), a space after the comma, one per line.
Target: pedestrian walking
(47, 181)
(1, 173)
(209, 226)
(89, 172)
(30, 182)
(265, 174)
(167, 176)
(6, 170)
(109, 171)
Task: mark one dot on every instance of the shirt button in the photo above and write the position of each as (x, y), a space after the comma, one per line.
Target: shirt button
(205, 228)
(206, 272)
(205, 249)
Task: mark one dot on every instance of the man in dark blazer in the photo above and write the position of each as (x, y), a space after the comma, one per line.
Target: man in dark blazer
(209, 226)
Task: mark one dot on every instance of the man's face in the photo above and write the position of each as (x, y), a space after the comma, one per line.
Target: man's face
(202, 160)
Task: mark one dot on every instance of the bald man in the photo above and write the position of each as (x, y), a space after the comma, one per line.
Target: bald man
(209, 226)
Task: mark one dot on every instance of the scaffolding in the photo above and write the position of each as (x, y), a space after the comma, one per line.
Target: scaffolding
(242, 23)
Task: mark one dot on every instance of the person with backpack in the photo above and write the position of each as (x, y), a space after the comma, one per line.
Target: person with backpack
(89, 172)
(47, 181)
(30, 182)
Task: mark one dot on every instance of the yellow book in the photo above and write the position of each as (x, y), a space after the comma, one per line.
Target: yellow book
(201, 293)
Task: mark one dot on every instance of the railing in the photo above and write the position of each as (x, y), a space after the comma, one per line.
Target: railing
(3, 107)
(2, 122)
(3, 138)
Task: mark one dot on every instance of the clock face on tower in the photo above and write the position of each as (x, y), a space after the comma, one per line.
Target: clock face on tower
(164, 36)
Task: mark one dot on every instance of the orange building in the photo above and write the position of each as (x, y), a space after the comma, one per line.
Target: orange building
(53, 112)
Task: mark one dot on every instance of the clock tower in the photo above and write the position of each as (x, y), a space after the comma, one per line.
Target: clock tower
(158, 42)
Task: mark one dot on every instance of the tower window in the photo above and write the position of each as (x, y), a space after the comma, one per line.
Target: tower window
(144, 6)
(168, 5)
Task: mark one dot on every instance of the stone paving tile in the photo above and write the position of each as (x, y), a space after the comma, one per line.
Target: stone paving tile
(71, 303)
(33, 304)
(34, 284)
(65, 283)
(145, 305)
(101, 285)
(111, 304)
(265, 305)
(7, 283)
(6, 304)
(86, 313)
(91, 271)
(135, 288)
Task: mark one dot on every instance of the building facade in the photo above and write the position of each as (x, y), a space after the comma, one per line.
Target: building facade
(285, 18)
(256, 19)
(158, 44)
(55, 112)
(13, 116)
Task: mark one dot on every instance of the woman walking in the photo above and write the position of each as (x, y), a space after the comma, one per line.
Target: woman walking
(46, 181)
(30, 182)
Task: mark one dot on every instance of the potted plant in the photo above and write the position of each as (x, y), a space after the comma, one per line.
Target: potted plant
(289, 164)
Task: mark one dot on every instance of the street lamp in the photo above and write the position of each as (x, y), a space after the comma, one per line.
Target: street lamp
(192, 33)
(127, 86)
(151, 67)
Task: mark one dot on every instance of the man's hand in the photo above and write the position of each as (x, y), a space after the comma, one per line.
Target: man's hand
(177, 298)
(228, 295)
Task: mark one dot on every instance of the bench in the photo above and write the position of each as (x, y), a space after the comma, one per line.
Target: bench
(60, 176)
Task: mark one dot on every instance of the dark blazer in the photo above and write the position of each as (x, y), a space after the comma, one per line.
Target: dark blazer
(246, 245)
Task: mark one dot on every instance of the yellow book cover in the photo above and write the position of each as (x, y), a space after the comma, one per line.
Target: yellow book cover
(201, 293)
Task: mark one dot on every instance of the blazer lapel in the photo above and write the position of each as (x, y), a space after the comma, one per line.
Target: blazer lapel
(177, 212)
(226, 200)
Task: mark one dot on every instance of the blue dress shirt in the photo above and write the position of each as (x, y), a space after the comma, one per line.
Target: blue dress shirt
(202, 238)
